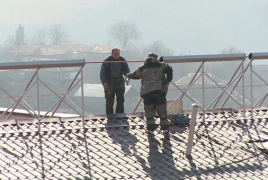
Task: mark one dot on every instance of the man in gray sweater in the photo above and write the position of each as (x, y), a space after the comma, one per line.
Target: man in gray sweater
(111, 75)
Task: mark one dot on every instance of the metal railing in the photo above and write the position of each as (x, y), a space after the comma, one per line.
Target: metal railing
(240, 87)
(240, 78)
(35, 81)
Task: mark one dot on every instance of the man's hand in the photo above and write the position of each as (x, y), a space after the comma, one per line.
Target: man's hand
(105, 85)
(127, 75)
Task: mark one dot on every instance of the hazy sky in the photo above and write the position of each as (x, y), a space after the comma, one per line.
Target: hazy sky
(185, 26)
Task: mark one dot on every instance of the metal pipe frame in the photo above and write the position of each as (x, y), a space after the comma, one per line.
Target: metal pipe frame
(235, 77)
(200, 73)
(184, 92)
(204, 58)
(35, 80)
(229, 88)
(257, 56)
(223, 91)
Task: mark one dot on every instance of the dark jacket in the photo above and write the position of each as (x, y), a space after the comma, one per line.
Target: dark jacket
(113, 70)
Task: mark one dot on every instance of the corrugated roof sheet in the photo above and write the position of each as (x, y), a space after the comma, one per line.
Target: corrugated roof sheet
(226, 146)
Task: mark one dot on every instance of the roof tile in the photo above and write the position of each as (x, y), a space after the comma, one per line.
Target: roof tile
(225, 146)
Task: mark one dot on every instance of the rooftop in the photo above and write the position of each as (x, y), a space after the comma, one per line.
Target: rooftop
(226, 146)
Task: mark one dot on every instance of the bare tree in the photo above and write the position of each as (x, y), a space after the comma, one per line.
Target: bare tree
(230, 50)
(123, 32)
(158, 47)
(57, 34)
(141, 52)
(40, 36)
(10, 43)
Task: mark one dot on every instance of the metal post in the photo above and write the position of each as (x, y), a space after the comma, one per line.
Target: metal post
(39, 127)
(251, 90)
(204, 94)
(243, 85)
(191, 132)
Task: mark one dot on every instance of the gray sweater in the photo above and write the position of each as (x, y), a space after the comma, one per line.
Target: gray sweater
(113, 70)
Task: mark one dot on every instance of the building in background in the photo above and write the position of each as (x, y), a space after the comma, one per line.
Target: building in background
(94, 100)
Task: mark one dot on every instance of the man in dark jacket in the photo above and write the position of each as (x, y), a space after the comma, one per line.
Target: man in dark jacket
(155, 77)
(111, 75)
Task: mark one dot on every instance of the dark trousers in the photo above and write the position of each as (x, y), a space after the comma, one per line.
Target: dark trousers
(156, 102)
(116, 88)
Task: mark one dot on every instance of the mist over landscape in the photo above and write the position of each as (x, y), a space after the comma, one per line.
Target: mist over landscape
(88, 29)
(185, 27)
